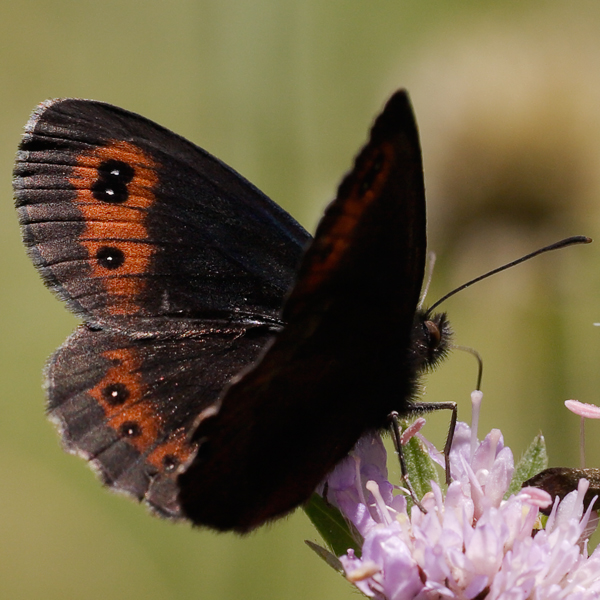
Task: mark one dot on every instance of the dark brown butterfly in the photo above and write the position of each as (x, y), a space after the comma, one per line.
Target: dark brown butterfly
(220, 373)
(559, 481)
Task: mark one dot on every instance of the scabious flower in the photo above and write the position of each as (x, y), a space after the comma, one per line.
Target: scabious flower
(470, 543)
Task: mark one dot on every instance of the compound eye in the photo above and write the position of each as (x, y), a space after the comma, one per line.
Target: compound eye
(435, 336)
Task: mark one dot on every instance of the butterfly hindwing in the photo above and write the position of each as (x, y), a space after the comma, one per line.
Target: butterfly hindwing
(129, 405)
(126, 220)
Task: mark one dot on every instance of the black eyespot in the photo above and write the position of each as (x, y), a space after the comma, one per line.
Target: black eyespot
(130, 429)
(110, 257)
(170, 462)
(111, 185)
(371, 175)
(116, 394)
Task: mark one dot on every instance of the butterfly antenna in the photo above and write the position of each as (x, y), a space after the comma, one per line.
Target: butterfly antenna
(428, 278)
(479, 360)
(570, 241)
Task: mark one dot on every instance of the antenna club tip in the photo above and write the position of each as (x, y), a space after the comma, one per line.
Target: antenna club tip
(570, 241)
(578, 239)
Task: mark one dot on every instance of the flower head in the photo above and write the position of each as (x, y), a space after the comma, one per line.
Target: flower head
(469, 543)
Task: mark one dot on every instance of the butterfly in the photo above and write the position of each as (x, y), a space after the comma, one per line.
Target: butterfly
(226, 361)
(559, 481)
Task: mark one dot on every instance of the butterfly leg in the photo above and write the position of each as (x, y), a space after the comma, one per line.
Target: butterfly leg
(431, 406)
(396, 435)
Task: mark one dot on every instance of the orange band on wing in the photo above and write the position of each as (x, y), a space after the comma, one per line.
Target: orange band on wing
(327, 251)
(117, 226)
(172, 453)
(121, 393)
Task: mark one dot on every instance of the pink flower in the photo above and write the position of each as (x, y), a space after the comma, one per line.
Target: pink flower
(471, 542)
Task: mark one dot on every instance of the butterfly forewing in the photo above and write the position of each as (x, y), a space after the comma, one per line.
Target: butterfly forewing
(340, 364)
(125, 219)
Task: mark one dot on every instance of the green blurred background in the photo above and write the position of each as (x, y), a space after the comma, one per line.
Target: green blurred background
(507, 96)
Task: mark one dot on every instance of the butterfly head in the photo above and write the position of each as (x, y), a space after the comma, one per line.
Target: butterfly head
(431, 336)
